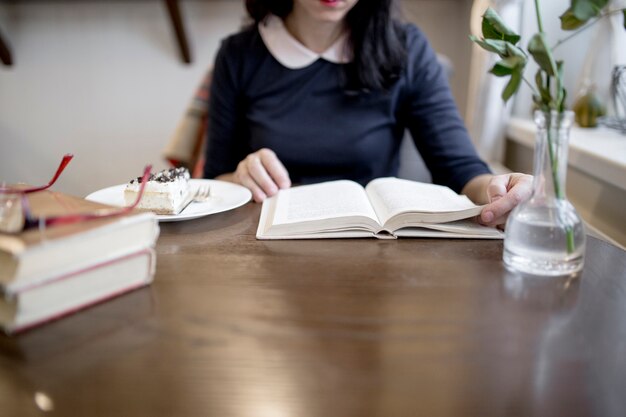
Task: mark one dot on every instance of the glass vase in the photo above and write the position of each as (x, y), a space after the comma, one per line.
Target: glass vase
(545, 235)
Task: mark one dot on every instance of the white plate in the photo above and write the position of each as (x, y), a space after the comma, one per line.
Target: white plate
(224, 196)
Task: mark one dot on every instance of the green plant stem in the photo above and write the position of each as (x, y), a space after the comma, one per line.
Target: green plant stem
(555, 105)
(532, 87)
(553, 164)
(569, 235)
(538, 12)
(585, 27)
(554, 170)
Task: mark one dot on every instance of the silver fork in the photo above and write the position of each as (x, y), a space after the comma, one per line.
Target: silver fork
(202, 193)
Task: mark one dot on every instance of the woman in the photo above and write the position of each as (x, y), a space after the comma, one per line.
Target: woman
(318, 90)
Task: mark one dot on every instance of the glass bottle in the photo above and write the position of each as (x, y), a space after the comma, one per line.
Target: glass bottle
(545, 235)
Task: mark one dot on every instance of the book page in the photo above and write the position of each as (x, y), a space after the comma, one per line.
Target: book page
(327, 200)
(392, 196)
(460, 228)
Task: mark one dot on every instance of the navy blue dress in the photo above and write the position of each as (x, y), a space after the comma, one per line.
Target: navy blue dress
(319, 132)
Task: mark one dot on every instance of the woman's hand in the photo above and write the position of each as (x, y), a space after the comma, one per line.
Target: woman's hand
(504, 192)
(262, 173)
(500, 193)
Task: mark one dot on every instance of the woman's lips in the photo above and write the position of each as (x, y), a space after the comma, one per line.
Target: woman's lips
(331, 3)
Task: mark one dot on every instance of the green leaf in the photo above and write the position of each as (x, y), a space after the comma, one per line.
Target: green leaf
(491, 45)
(508, 66)
(541, 53)
(559, 69)
(540, 105)
(501, 69)
(545, 97)
(586, 9)
(512, 50)
(624, 11)
(493, 27)
(569, 21)
(513, 85)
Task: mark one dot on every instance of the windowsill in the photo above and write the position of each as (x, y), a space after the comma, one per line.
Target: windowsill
(599, 152)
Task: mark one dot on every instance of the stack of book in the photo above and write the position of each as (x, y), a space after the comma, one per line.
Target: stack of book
(47, 273)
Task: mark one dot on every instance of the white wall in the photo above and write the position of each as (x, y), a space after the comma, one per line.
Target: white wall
(103, 80)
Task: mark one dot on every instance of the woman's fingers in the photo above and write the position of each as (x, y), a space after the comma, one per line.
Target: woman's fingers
(263, 174)
(505, 192)
(275, 168)
(259, 174)
(243, 177)
(497, 187)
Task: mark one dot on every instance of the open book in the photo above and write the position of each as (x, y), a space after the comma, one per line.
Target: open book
(385, 208)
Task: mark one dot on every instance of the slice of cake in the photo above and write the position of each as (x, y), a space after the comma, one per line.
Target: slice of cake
(166, 192)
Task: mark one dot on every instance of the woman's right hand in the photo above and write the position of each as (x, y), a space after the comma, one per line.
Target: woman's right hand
(262, 173)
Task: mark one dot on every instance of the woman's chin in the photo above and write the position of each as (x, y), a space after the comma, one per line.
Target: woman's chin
(330, 10)
(330, 16)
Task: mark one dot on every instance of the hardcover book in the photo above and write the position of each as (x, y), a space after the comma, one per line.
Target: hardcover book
(71, 292)
(32, 257)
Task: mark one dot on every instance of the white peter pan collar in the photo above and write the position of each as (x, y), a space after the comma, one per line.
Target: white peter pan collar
(291, 53)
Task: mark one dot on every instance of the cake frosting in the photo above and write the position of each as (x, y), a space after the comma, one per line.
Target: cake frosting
(166, 192)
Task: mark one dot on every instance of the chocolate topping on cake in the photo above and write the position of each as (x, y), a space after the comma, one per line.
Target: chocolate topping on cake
(167, 175)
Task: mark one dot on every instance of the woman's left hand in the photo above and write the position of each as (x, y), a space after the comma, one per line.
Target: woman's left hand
(504, 192)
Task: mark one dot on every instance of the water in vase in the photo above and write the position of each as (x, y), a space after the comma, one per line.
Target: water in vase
(545, 239)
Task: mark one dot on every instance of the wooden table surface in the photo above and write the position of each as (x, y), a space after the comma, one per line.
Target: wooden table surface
(233, 326)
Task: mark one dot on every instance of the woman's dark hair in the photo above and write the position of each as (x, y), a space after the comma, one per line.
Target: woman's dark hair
(377, 41)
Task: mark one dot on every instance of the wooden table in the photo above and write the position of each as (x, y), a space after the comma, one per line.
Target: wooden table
(416, 327)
